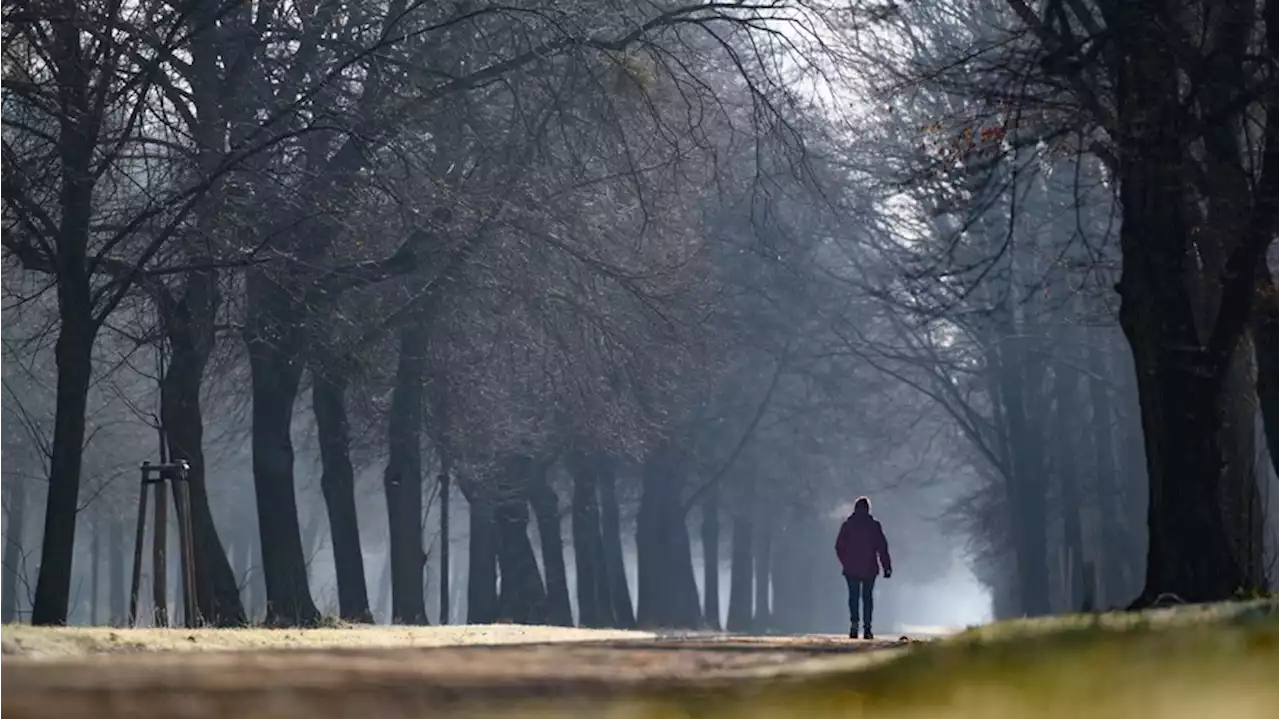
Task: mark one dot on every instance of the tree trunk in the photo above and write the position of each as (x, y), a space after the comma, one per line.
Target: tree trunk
(711, 558)
(740, 579)
(118, 601)
(1067, 415)
(764, 563)
(523, 597)
(217, 594)
(276, 372)
(795, 582)
(1188, 550)
(546, 508)
(1025, 492)
(337, 483)
(14, 523)
(668, 592)
(594, 606)
(77, 328)
(73, 356)
(1240, 496)
(614, 563)
(403, 480)
(482, 558)
(1180, 378)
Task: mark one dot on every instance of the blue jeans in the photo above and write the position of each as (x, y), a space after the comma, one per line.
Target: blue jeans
(860, 589)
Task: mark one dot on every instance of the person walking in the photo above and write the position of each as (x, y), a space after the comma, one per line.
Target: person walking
(862, 550)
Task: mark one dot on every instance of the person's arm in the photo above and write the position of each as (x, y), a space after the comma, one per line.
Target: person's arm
(842, 542)
(882, 551)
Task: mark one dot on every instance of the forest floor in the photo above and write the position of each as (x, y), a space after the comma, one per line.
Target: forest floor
(1193, 662)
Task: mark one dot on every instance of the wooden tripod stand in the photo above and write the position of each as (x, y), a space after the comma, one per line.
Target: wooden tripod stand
(156, 475)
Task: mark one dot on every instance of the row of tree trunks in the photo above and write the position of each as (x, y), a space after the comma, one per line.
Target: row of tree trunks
(1067, 416)
(711, 558)
(763, 620)
(751, 559)
(615, 566)
(1025, 497)
(797, 581)
(446, 577)
(595, 606)
(741, 588)
(482, 556)
(108, 575)
(546, 509)
(523, 596)
(668, 592)
(499, 539)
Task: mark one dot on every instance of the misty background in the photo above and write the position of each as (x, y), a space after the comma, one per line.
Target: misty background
(640, 296)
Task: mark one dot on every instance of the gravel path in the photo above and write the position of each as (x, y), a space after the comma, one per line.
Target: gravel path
(442, 671)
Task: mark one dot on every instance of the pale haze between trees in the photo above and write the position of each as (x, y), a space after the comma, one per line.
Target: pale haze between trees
(603, 313)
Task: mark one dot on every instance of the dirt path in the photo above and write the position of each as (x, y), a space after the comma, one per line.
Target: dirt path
(404, 682)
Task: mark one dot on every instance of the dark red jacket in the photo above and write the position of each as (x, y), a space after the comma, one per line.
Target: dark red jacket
(862, 548)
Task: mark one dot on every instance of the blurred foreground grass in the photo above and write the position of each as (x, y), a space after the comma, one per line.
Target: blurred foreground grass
(1192, 663)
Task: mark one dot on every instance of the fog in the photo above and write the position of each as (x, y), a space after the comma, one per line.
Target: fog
(637, 302)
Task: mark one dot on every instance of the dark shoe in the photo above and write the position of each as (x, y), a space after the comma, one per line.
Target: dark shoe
(853, 632)
(866, 633)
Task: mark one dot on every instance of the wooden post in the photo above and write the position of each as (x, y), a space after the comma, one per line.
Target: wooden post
(159, 552)
(176, 474)
(139, 538)
(182, 505)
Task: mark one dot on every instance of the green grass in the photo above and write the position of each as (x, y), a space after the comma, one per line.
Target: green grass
(1217, 661)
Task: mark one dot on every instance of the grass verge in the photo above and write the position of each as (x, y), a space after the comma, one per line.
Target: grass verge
(1189, 663)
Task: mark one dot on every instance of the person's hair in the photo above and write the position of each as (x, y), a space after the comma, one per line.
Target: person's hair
(862, 504)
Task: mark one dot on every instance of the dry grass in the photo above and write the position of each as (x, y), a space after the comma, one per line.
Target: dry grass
(63, 642)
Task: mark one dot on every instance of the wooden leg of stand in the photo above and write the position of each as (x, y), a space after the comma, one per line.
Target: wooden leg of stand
(138, 538)
(159, 556)
(186, 545)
